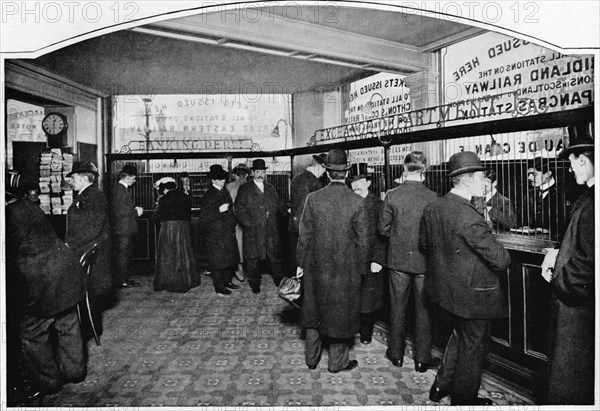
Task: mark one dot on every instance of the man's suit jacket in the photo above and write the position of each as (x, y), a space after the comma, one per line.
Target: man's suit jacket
(333, 251)
(572, 323)
(400, 221)
(371, 297)
(50, 276)
(464, 259)
(302, 184)
(87, 222)
(219, 229)
(123, 216)
(257, 213)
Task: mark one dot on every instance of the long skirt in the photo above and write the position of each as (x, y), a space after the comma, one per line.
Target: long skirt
(176, 268)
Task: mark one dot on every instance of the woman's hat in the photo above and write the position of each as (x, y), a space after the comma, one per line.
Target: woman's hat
(337, 160)
(259, 164)
(217, 173)
(84, 167)
(464, 162)
(359, 171)
(320, 158)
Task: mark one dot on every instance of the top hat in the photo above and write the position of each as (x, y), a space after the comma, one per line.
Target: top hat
(86, 167)
(464, 162)
(259, 164)
(577, 146)
(337, 160)
(130, 170)
(217, 173)
(320, 158)
(359, 171)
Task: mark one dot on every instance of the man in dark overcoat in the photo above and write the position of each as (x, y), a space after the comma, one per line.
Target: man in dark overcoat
(332, 253)
(302, 184)
(123, 219)
(257, 207)
(88, 223)
(218, 224)
(571, 273)
(400, 221)
(371, 289)
(52, 284)
(464, 263)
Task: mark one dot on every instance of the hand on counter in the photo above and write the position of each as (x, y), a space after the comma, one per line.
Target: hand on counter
(140, 211)
(549, 262)
(299, 272)
(375, 267)
(224, 207)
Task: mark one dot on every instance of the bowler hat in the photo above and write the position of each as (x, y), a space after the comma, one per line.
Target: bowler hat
(320, 158)
(464, 162)
(359, 171)
(83, 167)
(129, 170)
(337, 160)
(259, 164)
(577, 147)
(217, 173)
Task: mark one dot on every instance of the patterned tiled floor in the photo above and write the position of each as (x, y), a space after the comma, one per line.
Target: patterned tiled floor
(243, 350)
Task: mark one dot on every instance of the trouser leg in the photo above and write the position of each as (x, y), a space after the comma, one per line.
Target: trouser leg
(276, 270)
(219, 279)
(445, 376)
(422, 322)
(473, 345)
(400, 288)
(37, 351)
(338, 354)
(312, 346)
(69, 352)
(293, 258)
(123, 251)
(367, 322)
(253, 272)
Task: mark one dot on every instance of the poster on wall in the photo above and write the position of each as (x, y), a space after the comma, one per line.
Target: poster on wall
(506, 77)
(24, 125)
(201, 123)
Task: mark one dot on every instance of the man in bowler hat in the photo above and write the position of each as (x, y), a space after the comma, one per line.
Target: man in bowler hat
(333, 256)
(123, 217)
(218, 223)
(465, 261)
(570, 271)
(257, 207)
(302, 184)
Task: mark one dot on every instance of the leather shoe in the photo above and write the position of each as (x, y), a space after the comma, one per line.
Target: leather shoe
(312, 367)
(351, 365)
(436, 393)
(223, 291)
(477, 401)
(424, 366)
(395, 361)
(232, 286)
(256, 290)
(239, 274)
(129, 284)
(365, 340)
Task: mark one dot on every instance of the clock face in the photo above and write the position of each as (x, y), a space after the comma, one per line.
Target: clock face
(54, 124)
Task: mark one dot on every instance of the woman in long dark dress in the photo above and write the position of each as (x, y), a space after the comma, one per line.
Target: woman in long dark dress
(176, 268)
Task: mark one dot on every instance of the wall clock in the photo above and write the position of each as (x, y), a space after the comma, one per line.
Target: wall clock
(54, 124)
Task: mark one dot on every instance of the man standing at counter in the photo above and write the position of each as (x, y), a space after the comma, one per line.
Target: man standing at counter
(570, 271)
(464, 262)
(123, 216)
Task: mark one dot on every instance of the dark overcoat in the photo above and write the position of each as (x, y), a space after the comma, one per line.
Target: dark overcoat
(400, 221)
(123, 216)
(371, 296)
(333, 251)
(502, 212)
(572, 322)
(87, 222)
(302, 184)
(257, 213)
(51, 276)
(219, 229)
(465, 260)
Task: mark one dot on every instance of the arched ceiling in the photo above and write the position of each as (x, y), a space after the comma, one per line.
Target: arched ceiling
(264, 50)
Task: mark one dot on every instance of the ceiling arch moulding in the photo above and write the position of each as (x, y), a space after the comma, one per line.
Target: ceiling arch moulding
(302, 38)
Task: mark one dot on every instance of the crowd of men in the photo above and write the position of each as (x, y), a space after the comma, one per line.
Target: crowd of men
(439, 250)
